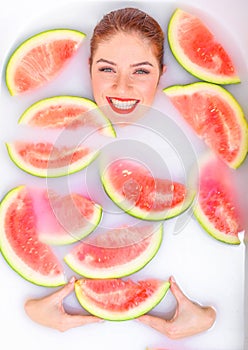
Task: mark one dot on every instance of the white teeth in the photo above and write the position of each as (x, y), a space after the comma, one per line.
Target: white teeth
(123, 104)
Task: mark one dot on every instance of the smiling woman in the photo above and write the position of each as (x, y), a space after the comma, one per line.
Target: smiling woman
(126, 62)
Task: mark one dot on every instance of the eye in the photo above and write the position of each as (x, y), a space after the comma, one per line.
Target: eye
(106, 69)
(141, 71)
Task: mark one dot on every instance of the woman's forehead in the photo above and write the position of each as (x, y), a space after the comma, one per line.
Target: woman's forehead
(123, 44)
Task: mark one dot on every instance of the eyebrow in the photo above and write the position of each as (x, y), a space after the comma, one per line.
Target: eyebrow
(105, 61)
(145, 63)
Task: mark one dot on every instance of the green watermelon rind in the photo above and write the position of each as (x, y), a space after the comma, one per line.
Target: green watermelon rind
(121, 270)
(142, 214)
(29, 43)
(107, 128)
(70, 238)
(138, 311)
(50, 173)
(189, 66)
(174, 90)
(12, 259)
(210, 229)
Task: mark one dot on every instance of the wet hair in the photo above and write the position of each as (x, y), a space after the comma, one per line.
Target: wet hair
(129, 20)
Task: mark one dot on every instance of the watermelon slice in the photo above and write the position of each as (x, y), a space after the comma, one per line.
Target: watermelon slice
(20, 244)
(43, 159)
(69, 112)
(217, 207)
(41, 58)
(119, 300)
(196, 48)
(64, 219)
(116, 253)
(216, 116)
(133, 188)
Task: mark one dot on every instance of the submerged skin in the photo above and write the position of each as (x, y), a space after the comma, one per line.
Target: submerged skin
(49, 311)
(190, 318)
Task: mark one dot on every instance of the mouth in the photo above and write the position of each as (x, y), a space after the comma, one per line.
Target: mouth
(122, 105)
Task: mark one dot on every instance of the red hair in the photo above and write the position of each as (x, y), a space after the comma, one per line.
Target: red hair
(129, 20)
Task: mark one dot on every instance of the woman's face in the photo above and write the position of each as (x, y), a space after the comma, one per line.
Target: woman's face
(125, 74)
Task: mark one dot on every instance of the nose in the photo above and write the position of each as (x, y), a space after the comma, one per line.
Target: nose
(122, 83)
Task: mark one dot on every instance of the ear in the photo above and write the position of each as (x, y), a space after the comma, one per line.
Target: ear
(164, 69)
(89, 65)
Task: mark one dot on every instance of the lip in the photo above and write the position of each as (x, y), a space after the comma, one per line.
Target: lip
(122, 105)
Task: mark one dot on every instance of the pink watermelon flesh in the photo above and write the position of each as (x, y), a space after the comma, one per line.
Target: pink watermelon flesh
(214, 120)
(42, 63)
(136, 184)
(113, 254)
(201, 48)
(117, 252)
(210, 125)
(43, 155)
(117, 299)
(145, 191)
(108, 257)
(20, 230)
(58, 116)
(43, 159)
(128, 292)
(63, 219)
(218, 203)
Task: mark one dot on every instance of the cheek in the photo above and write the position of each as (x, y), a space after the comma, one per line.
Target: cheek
(149, 90)
(97, 89)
